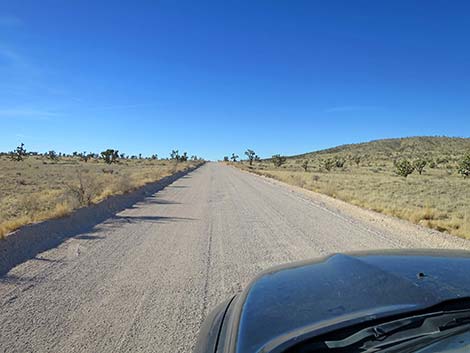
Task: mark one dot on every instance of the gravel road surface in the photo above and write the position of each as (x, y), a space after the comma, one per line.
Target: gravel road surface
(144, 280)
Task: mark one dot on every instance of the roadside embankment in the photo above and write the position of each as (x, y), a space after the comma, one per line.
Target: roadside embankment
(29, 240)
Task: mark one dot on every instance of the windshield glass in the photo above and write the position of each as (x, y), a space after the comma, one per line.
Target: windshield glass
(456, 344)
(406, 334)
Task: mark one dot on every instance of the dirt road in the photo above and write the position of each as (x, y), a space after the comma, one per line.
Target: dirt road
(144, 280)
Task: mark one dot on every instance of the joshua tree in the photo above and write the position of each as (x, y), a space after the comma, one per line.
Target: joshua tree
(305, 165)
(85, 156)
(251, 155)
(357, 159)
(234, 157)
(175, 155)
(257, 159)
(110, 156)
(404, 168)
(154, 156)
(328, 164)
(52, 155)
(19, 153)
(183, 157)
(419, 165)
(278, 160)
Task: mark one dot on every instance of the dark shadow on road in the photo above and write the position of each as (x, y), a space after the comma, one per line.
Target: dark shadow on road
(89, 237)
(151, 219)
(46, 260)
(161, 202)
(152, 200)
(12, 279)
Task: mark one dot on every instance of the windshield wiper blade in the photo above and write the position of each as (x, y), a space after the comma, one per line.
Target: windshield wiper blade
(402, 330)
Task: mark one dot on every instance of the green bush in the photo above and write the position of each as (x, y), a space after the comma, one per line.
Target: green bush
(404, 168)
(464, 166)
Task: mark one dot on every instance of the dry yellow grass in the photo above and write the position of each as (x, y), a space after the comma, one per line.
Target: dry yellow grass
(438, 199)
(37, 188)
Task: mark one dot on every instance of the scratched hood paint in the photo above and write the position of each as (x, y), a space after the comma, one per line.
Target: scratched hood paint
(289, 298)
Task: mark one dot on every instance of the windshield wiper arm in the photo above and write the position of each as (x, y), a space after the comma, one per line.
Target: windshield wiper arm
(402, 330)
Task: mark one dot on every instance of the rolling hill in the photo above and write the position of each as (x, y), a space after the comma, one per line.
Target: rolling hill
(366, 174)
(429, 147)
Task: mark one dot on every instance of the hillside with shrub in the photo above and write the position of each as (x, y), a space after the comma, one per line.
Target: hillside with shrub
(421, 179)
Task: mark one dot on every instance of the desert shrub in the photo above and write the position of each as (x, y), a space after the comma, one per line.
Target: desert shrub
(404, 168)
(225, 158)
(356, 159)
(85, 189)
(305, 165)
(442, 160)
(464, 166)
(298, 180)
(28, 205)
(339, 163)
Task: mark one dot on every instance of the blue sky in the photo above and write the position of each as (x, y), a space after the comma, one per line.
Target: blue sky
(216, 77)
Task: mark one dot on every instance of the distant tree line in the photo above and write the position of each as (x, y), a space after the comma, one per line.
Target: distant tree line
(109, 155)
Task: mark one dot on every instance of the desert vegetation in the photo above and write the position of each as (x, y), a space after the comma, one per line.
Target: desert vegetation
(39, 186)
(420, 179)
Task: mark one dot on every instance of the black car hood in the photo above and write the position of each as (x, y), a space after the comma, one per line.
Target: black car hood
(340, 287)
